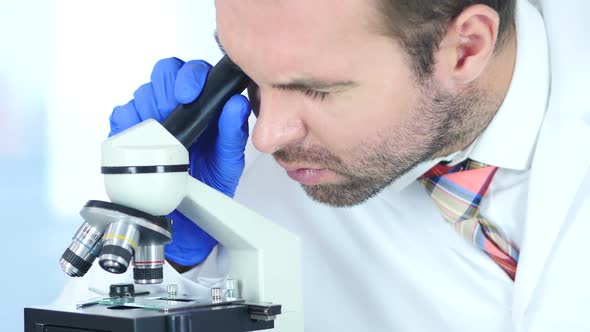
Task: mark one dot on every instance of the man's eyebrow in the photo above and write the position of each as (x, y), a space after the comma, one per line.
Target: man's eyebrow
(216, 36)
(313, 84)
(301, 85)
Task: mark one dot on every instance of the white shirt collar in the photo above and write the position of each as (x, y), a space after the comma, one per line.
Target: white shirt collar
(509, 140)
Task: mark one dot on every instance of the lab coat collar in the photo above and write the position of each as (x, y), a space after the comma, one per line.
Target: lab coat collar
(559, 163)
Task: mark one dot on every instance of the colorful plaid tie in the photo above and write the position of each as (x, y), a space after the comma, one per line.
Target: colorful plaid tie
(458, 191)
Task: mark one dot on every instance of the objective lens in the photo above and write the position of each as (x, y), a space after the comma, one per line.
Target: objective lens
(119, 244)
(79, 256)
(148, 264)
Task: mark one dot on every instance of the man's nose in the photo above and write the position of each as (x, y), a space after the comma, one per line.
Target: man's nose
(278, 123)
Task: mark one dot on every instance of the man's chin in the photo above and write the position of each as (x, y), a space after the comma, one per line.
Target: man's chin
(341, 195)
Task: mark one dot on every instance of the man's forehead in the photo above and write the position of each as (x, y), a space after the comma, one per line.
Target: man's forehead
(306, 9)
(300, 19)
(289, 35)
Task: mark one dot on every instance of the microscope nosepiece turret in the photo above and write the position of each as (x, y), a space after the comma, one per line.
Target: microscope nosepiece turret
(118, 235)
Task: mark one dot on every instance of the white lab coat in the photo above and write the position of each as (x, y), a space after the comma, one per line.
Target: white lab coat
(375, 268)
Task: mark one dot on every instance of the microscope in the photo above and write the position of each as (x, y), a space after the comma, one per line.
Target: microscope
(146, 177)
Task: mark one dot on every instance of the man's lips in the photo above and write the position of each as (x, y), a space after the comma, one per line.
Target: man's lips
(307, 175)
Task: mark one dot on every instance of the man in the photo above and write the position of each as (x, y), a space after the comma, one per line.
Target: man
(442, 144)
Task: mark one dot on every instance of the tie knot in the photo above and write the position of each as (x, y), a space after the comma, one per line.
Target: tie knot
(461, 187)
(443, 169)
(457, 191)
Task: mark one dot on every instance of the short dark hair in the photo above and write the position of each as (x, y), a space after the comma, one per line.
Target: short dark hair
(420, 25)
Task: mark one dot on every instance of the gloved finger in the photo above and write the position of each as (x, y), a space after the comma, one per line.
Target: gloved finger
(190, 244)
(163, 80)
(233, 128)
(144, 100)
(190, 80)
(123, 117)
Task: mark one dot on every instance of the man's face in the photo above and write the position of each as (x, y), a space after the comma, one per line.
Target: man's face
(338, 105)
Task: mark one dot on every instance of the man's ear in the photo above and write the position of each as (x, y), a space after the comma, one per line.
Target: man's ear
(468, 45)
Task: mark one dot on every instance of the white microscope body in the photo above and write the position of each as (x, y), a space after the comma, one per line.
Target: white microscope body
(265, 258)
(146, 168)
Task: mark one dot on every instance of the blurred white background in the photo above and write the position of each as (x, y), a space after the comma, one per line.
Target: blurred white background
(64, 65)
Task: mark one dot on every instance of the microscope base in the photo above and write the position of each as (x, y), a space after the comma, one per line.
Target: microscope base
(66, 318)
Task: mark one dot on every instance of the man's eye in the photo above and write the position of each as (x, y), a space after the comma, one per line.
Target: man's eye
(321, 95)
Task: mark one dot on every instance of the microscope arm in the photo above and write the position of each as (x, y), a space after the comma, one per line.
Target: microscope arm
(265, 258)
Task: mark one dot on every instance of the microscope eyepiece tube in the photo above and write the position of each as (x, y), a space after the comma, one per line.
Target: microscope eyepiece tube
(188, 121)
(85, 247)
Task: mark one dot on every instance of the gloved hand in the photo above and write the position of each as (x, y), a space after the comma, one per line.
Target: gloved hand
(216, 159)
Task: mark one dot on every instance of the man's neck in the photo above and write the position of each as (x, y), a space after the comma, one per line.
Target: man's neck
(494, 84)
(499, 73)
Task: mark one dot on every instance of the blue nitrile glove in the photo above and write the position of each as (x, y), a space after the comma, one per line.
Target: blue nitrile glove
(216, 159)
